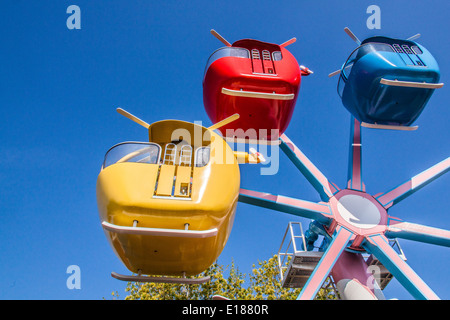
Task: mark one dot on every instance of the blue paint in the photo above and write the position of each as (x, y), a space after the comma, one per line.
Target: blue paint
(392, 59)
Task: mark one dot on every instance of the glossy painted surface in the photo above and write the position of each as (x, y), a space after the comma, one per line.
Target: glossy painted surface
(130, 191)
(379, 58)
(258, 116)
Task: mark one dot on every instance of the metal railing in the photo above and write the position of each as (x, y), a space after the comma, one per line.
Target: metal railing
(285, 255)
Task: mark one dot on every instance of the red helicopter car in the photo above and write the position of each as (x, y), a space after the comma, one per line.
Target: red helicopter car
(258, 80)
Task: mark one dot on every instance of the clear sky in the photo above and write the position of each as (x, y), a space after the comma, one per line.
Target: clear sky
(59, 89)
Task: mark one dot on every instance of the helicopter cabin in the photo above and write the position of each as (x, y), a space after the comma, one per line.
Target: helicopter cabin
(167, 206)
(260, 81)
(388, 81)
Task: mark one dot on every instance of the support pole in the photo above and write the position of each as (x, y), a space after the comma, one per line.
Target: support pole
(353, 278)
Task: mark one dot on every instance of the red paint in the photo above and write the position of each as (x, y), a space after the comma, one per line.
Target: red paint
(259, 73)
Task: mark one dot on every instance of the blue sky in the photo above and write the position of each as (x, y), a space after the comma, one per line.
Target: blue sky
(59, 89)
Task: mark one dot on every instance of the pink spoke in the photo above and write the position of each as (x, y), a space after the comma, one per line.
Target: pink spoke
(308, 169)
(302, 208)
(418, 232)
(417, 182)
(379, 246)
(326, 263)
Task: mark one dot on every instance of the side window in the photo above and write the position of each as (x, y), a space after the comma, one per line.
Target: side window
(202, 156)
(276, 56)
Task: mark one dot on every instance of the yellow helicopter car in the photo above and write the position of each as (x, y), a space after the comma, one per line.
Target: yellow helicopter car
(167, 206)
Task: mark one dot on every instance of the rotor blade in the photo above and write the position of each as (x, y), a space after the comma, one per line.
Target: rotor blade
(301, 208)
(417, 182)
(307, 168)
(305, 71)
(132, 117)
(224, 121)
(257, 155)
(289, 42)
(379, 246)
(326, 263)
(218, 36)
(354, 169)
(418, 232)
(414, 37)
(334, 73)
(352, 35)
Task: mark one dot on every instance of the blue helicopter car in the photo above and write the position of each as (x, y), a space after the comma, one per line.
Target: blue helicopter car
(386, 82)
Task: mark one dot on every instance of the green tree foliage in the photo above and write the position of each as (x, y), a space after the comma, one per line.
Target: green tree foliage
(264, 284)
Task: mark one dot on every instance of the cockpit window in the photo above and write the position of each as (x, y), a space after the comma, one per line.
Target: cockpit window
(361, 51)
(357, 54)
(227, 52)
(140, 152)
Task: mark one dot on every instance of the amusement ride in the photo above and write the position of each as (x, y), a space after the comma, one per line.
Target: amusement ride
(167, 206)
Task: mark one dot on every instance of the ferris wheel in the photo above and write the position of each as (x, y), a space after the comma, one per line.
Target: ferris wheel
(385, 86)
(167, 206)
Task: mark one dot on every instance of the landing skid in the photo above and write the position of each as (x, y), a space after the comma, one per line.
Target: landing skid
(388, 127)
(138, 278)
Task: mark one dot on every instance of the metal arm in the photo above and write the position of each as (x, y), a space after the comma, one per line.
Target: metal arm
(378, 245)
(307, 168)
(417, 182)
(301, 208)
(326, 263)
(418, 232)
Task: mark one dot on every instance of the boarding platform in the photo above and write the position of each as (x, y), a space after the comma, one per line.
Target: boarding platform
(296, 264)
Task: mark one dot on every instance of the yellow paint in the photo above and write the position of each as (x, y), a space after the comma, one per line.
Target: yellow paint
(165, 180)
(183, 181)
(126, 193)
